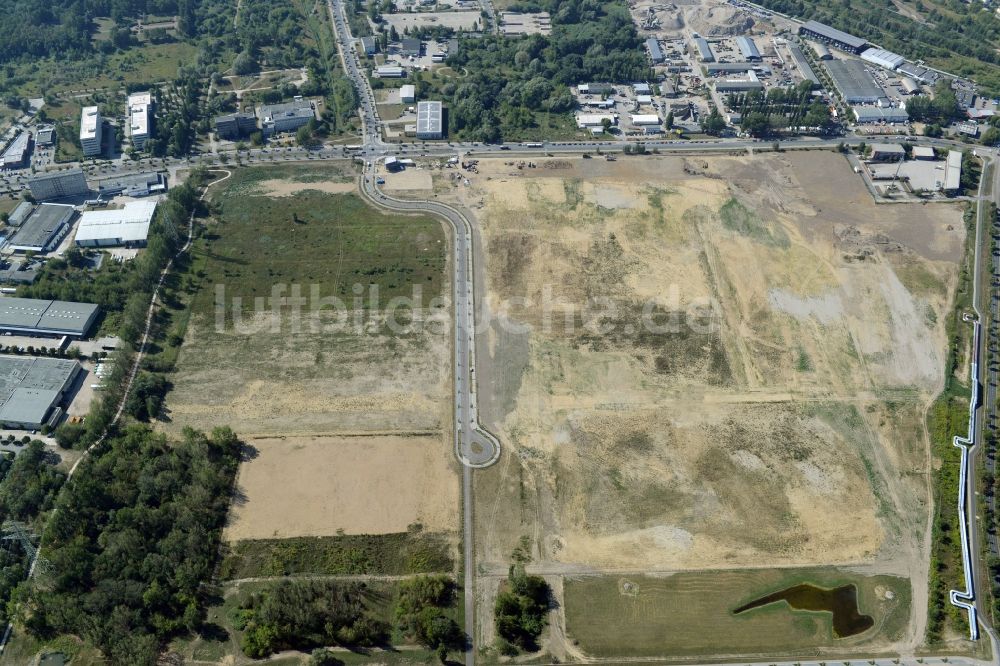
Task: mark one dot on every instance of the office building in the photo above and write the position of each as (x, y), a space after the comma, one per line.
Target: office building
(91, 131)
(287, 117)
(140, 118)
(58, 184)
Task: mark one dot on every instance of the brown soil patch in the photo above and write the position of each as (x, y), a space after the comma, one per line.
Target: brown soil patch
(320, 486)
(286, 188)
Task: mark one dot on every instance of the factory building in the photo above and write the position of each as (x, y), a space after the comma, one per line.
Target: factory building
(410, 47)
(140, 118)
(127, 227)
(746, 84)
(748, 49)
(883, 58)
(408, 94)
(287, 117)
(429, 120)
(832, 36)
(43, 317)
(887, 152)
(15, 155)
(953, 172)
(703, 49)
(803, 64)
(732, 67)
(58, 184)
(910, 87)
(91, 131)
(655, 51)
(854, 82)
(31, 390)
(926, 76)
(232, 126)
(595, 121)
(20, 214)
(43, 228)
(135, 185)
(873, 114)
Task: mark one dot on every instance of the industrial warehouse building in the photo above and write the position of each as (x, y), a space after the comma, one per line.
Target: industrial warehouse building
(369, 45)
(953, 172)
(748, 48)
(232, 126)
(854, 82)
(15, 155)
(750, 83)
(140, 118)
(824, 33)
(31, 390)
(42, 230)
(803, 64)
(390, 72)
(46, 136)
(875, 114)
(703, 49)
(287, 117)
(126, 227)
(429, 120)
(655, 51)
(135, 185)
(91, 131)
(20, 214)
(883, 58)
(58, 184)
(887, 152)
(822, 53)
(408, 94)
(733, 67)
(41, 317)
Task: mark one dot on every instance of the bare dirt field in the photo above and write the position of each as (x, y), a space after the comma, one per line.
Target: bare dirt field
(323, 486)
(708, 362)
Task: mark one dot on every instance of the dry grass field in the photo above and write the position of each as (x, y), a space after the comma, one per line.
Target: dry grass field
(771, 417)
(349, 418)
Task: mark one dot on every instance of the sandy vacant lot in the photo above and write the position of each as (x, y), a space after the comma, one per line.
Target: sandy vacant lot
(761, 427)
(318, 486)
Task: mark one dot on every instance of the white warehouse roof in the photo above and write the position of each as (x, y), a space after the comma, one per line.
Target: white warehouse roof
(127, 225)
(883, 58)
(953, 170)
(593, 119)
(645, 119)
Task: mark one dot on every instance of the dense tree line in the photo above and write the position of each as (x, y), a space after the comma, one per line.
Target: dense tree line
(512, 79)
(941, 110)
(958, 36)
(778, 109)
(132, 537)
(301, 615)
(421, 613)
(520, 610)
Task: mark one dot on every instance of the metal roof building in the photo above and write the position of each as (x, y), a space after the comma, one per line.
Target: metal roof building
(128, 227)
(655, 52)
(821, 51)
(369, 45)
(44, 317)
(31, 388)
(874, 114)
(804, 67)
(390, 72)
(854, 82)
(838, 38)
(408, 93)
(15, 156)
(46, 136)
(910, 87)
(730, 67)
(923, 153)
(645, 119)
(134, 185)
(20, 214)
(748, 48)
(883, 58)
(42, 230)
(953, 171)
(429, 120)
(704, 50)
(58, 184)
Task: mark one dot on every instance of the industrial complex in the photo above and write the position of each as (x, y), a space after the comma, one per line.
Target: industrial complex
(32, 390)
(125, 227)
(43, 228)
(40, 317)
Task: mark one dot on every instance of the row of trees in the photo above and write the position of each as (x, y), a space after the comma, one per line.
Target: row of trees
(133, 536)
(764, 114)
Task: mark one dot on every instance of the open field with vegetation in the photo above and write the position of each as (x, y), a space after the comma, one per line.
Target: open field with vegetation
(647, 616)
(769, 342)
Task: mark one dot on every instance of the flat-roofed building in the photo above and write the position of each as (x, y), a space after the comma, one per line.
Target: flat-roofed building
(873, 114)
(20, 214)
(805, 69)
(287, 117)
(36, 316)
(232, 126)
(58, 184)
(369, 45)
(125, 227)
(140, 118)
(953, 172)
(410, 47)
(596, 88)
(923, 153)
(729, 67)
(430, 120)
(45, 137)
(745, 84)
(91, 128)
(15, 155)
(408, 94)
(855, 83)
(135, 185)
(748, 48)
(887, 152)
(42, 230)
(592, 120)
(31, 390)
(832, 36)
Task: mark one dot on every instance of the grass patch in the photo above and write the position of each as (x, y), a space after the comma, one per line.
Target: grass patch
(645, 617)
(384, 554)
(737, 217)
